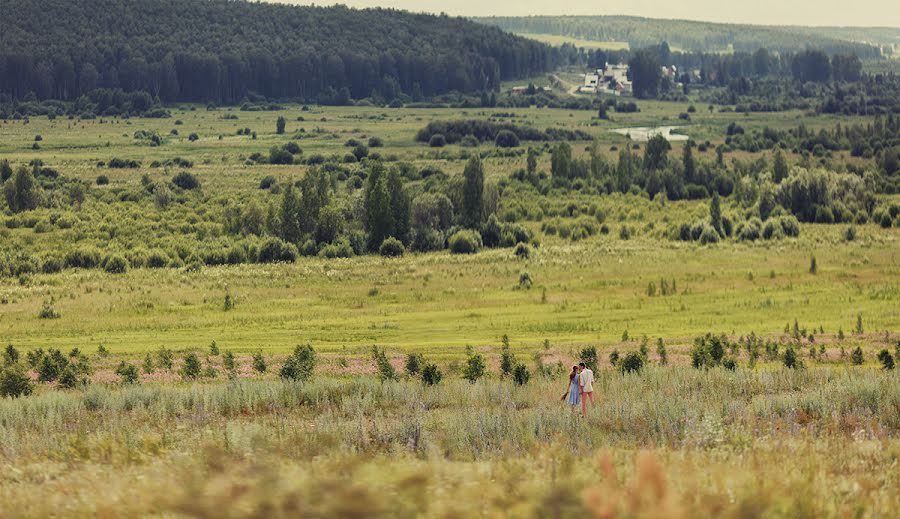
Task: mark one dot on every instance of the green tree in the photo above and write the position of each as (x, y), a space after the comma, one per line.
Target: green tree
(561, 161)
(21, 190)
(475, 365)
(656, 153)
(379, 214)
(780, 168)
(687, 160)
(280, 124)
(473, 193)
(645, 70)
(300, 365)
(715, 213)
(289, 215)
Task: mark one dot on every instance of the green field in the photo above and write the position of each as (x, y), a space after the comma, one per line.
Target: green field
(821, 441)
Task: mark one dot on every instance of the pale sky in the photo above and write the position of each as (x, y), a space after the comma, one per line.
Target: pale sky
(880, 13)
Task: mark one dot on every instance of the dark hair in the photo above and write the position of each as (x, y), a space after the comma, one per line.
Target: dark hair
(582, 364)
(572, 374)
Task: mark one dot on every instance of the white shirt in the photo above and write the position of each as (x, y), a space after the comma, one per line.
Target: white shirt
(586, 380)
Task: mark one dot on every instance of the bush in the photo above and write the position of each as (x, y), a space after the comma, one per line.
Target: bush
(190, 370)
(51, 264)
(391, 247)
(437, 141)
(522, 250)
(886, 359)
(709, 235)
(339, 249)
(431, 375)
(790, 359)
(115, 264)
(465, 242)
(280, 156)
(128, 373)
(790, 225)
(275, 250)
(48, 311)
(267, 182)
(15, 382)
(82, 257)
(300, 365)
(10, 355)
(506, 139)
(857, 357)
(749, 230)
(475, 366)
(632, 363)
(525, 280)
(259, 362)
(193, 137)
(772, 230)
(588, 355)
(414, 362)
(102, 180)
(186, 180)
(521, 375)
(384, 367)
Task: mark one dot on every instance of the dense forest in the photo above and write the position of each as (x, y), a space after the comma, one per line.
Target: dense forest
(223, 51)
(701, 36)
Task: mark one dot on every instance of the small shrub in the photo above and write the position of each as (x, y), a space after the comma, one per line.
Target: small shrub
(384, 367)
(414, 362)
(857, 357)
(391, 248)
(886, 359)
(437, 141)
(267, 182)
(300, 365)
(475, 366)
(791, 361)
(521, 375)
(465, 242)
(193, 137)
(10, 355)
(128, 373)
(632, 363)
(15, 382)
(813, 265)
(522, 250)
(229, 364)
(506, 139)
(186, 180)
(102, 180)
(166, 358)
(148, 367)
(525, 280)
(48, 312)
(588, 355)
(259, 362)
(431, 375)
(190, 370)
(115, 264)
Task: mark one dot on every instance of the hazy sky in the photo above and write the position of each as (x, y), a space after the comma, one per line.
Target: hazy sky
(774, 12)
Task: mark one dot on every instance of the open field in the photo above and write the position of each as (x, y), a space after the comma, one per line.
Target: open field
(557, 40)
(815, 442)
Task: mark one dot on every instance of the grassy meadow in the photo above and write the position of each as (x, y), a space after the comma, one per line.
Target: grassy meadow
(671, 441)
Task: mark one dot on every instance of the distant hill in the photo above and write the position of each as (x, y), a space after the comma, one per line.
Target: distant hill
(704, 36)
(221, 51)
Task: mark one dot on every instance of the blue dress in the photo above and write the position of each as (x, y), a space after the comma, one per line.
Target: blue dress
(574, 392)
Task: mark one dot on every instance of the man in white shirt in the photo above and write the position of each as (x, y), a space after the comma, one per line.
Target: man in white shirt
(586, 382)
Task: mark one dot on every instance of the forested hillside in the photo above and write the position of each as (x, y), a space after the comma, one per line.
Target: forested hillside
(222, 51)
(702, 36)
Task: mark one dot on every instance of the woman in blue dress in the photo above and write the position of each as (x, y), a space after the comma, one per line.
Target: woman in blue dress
(574, 393)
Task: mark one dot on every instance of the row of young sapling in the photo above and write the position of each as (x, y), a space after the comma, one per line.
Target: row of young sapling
(73, 370)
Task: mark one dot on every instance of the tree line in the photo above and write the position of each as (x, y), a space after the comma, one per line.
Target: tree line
(221, 51)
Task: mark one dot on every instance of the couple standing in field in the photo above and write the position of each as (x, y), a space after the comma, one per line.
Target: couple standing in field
(581, 388)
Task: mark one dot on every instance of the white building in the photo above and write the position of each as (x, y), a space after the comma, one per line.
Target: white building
(611, 79)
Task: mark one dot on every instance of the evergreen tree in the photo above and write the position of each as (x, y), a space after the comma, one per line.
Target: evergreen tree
(561, 162)
(379, 216)
(279, 125)
(687, 160)
(715, 213)
(473, 193)
(780, 168)
(289, 215)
